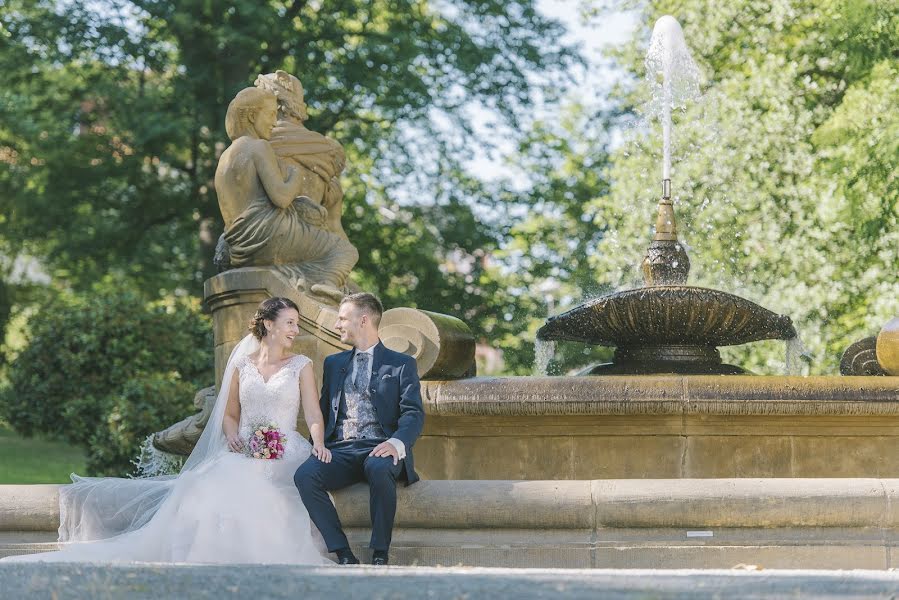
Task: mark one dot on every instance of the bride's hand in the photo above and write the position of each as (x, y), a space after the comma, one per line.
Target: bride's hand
(235, 443)
(321, 453)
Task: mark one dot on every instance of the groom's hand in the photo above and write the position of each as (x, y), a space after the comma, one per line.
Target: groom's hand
(386, 449)
(321, 453)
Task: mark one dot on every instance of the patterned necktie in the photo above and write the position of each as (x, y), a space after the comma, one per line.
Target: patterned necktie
(360, 379)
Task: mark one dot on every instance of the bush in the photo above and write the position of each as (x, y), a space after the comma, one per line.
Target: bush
(105, 370)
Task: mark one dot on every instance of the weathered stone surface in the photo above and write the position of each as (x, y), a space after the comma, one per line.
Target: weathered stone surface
(714, 503)
(480, 504)
(443, 346)
(268, 223)
(887, 347)
(860, 358)
(319, 159)
(181, 437)
(621, 503)
(29, 507)
(664, 394)
(273, 581)
(660, 427)
(233, 297)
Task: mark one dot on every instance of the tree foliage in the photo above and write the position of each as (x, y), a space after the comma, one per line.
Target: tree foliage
(112, 122)
(105, 370)
(784, 175)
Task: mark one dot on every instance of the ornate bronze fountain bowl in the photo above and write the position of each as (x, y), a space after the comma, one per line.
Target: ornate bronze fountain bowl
(667, 328)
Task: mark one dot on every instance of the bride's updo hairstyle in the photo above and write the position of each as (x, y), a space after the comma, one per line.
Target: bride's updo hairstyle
(269, 310)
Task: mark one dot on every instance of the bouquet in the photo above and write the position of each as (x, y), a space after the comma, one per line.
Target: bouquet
(266, 442)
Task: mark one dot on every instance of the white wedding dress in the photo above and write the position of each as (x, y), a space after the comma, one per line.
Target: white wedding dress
(222, 508)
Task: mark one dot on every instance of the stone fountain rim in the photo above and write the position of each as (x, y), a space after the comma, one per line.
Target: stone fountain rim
(661, 290)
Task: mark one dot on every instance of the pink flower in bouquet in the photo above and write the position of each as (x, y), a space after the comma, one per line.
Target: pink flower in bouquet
(265, 442)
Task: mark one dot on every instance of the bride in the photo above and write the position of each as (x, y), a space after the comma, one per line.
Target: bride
(224, 506)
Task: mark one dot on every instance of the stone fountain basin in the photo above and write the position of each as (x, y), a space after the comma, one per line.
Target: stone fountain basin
(668, 315)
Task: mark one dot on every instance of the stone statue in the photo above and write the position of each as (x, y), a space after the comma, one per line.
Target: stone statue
(266, 224)
(281, 200)
(319, 159)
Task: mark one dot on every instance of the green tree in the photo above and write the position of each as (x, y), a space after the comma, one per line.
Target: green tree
(784, 174)
(566, 162)
(105, 370)
(112, 123)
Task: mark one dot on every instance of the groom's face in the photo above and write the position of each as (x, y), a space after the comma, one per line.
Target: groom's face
(350, 323)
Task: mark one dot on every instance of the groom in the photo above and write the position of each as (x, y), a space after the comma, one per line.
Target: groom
(371, 401)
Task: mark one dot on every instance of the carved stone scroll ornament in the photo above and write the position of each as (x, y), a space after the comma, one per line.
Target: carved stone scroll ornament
(443, 346)
(860, 358)
(887, 347)
(875, 355)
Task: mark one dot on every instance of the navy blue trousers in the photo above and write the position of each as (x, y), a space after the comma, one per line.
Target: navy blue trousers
(350, 463)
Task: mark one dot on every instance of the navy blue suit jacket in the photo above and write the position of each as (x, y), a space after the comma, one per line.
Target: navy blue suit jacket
(395, 393)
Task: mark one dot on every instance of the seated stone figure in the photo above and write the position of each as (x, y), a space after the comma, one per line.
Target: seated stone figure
(318, 158)
(265, 223)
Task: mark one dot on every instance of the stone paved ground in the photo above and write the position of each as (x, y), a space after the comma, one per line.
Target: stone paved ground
(158, 581)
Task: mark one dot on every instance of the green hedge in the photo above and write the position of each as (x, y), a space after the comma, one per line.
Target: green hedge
(105, 370)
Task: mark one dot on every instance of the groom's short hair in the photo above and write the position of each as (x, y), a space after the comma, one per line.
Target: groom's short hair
(367, 303)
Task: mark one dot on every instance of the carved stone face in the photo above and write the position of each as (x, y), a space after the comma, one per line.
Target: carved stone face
(266, 118)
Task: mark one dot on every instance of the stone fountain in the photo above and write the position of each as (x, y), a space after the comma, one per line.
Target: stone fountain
(667, 326)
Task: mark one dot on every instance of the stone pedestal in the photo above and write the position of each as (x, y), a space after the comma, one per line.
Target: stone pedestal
(443, 346)
(233, 297)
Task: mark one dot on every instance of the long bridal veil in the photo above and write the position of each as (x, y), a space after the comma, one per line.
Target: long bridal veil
(95, 508)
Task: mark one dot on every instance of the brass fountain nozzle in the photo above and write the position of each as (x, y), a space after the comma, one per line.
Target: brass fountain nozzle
(666, 227)
(666, 261)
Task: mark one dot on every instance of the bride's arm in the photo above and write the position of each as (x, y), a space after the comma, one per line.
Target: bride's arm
(231, 421)
(312, 411)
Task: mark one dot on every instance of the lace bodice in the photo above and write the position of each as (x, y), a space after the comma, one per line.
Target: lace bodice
(277, 399)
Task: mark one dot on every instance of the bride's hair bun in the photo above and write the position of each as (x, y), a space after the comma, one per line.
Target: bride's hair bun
(268, 311)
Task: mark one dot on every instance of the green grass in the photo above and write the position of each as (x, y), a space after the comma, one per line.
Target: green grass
(36, 460)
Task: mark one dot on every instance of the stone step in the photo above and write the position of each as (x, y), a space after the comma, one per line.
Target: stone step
(678, 523)
(154, 581)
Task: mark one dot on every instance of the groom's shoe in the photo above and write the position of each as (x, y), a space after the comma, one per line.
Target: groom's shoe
(345, 556)
(379, 558)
